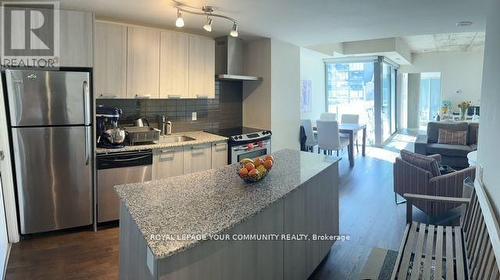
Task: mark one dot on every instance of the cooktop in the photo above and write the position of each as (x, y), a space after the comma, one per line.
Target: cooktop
(233, 131)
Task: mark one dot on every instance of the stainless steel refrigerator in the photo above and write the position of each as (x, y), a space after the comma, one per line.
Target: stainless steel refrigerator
(51, 128)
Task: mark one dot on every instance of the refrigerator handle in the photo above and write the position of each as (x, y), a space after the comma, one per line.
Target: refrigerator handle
(86, 101)
(87, 146)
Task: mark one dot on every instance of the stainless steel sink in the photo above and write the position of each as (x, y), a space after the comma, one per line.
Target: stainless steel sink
(175, 139)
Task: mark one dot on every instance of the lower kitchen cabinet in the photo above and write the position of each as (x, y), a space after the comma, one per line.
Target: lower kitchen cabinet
(219, 154)
(197, 158)
(168, 163)
(177, 161)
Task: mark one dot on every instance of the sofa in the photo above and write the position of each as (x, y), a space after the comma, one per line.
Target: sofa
(452, 155)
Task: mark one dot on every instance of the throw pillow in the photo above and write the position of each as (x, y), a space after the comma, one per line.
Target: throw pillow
(426, 163)
(452, 137)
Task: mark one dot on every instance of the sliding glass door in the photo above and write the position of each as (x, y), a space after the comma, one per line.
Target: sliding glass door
(430, 98)
(366, 87)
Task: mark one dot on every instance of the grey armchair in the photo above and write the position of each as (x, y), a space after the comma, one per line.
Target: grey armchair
(409, 178)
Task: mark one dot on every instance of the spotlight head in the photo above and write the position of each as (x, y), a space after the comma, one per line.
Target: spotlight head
(234, 31)
(179, 22)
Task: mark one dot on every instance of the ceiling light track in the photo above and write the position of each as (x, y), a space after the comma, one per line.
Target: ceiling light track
(207, 11)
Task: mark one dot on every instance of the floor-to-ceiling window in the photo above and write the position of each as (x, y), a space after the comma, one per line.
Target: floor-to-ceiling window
(430, 98)
(388, 100)
(351, 89)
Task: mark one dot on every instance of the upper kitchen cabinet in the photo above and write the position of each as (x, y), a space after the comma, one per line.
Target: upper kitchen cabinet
(174, 62)
(143, 63)
(110, 60)
(201, 67)
(76, 38)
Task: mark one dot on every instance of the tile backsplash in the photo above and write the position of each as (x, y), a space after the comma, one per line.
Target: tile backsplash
(224, 111)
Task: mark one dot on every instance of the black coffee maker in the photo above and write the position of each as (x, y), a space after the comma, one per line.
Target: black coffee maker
(109, 135)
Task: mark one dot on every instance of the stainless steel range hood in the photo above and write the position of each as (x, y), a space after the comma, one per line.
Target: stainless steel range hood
(229, 53)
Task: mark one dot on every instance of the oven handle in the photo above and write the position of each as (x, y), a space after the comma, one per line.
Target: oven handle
(257, 147)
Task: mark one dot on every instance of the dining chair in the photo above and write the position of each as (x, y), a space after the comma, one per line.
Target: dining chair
(311, 140)
(328, 117)
(329, 138)
(351, 119)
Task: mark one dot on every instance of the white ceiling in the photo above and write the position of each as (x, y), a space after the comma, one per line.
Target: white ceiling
(305, 23)
(466, 41)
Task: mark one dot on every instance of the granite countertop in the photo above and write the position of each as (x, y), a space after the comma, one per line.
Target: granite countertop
(211, 201)
(199, 136)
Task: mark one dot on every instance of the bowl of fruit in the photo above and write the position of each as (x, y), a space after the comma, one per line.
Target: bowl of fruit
(254, 170)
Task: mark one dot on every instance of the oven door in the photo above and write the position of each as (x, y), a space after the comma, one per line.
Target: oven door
(251, 150)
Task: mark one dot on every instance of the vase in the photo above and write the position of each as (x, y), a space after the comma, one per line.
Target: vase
(464, 114)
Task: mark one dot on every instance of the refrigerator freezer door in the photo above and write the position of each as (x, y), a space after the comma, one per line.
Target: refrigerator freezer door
(54, 180)
(45, 98)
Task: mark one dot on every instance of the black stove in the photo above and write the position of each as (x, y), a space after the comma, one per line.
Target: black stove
(242, 134)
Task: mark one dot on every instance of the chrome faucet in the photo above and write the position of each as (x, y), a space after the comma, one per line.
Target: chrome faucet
(165, 126)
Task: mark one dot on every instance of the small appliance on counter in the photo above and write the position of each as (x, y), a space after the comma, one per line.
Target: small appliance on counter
(140, 122)
(245, 142)
(142, 134)
(109, 135)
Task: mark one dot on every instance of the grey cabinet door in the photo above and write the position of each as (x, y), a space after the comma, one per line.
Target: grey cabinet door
(54, 177)
(76, 38)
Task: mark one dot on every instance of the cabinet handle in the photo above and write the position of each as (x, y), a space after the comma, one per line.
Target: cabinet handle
(174, 96)
(138, 96)
(165, 157)
(220, 146)
(2, 155)
(201, 96)
(107, 96)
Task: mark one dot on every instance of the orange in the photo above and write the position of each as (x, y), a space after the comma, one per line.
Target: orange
(243, 172)
(254, 174)
(269, 157)
(268, 164)
(249, 166)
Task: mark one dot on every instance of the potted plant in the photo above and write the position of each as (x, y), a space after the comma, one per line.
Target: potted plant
(464, 105)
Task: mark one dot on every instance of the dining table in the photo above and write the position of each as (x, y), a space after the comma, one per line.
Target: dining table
(351, 129)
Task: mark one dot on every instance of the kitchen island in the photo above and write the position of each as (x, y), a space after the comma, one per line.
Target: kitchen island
(212, 225)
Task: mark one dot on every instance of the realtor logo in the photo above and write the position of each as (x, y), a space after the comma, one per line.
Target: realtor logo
(30, 34)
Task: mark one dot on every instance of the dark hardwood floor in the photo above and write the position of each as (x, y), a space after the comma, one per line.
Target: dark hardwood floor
(78, 255)
(367, 213)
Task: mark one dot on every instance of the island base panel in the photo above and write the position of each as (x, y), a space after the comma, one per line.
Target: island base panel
(311, 208)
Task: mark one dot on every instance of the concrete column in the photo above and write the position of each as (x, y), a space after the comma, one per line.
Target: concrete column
(413, 99)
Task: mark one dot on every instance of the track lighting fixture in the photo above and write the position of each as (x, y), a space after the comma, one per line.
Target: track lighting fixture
(207, 11)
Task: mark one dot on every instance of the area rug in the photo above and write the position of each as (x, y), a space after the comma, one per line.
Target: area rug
(379, 265)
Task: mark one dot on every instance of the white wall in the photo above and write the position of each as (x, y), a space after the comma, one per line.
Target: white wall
(312, 68)
(274, 102)
(285, 95)
(459, 71)
(489, 129)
